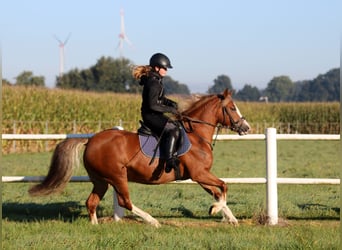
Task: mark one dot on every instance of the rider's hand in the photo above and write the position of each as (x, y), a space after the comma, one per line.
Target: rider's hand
(177, 113)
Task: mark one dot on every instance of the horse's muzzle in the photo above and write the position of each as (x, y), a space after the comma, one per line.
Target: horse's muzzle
(241, 127)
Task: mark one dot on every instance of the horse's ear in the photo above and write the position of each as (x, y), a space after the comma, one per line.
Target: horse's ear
(195, 97)
(227, 92)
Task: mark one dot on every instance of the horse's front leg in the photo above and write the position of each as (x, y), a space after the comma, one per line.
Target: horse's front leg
(221, 204)
(227, 214)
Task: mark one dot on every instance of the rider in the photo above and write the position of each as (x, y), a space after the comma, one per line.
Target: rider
(155, 104)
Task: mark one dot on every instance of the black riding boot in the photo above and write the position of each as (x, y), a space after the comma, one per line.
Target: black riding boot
(170, 147)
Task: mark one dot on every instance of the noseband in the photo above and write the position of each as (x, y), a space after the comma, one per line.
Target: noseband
(234, 125)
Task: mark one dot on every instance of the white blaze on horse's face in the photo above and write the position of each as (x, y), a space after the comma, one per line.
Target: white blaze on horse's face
(237, 110)
(240, 115)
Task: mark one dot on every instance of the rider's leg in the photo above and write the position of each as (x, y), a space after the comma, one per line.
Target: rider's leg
(171, 136)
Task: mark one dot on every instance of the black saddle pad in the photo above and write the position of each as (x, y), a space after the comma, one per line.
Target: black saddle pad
(148, 144)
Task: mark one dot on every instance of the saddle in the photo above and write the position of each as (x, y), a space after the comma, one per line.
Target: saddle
(150, 142)
(145, 130)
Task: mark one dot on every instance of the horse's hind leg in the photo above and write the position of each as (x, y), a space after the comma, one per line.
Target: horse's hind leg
(99, 190)
(124, 201)
(145, 216)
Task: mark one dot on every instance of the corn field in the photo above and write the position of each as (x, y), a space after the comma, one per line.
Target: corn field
(32, 110)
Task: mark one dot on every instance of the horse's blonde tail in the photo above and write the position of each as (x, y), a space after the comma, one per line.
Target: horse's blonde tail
(64, 160)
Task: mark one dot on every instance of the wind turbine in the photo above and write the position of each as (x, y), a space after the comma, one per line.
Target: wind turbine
(61, 54)
(122, 36)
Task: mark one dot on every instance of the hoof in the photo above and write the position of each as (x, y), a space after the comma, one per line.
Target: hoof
(94, 222)
(156, 224)
(213, 210)
(233, 221)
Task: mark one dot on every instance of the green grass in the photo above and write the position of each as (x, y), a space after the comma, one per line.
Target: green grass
(309, 214)
(131, 235)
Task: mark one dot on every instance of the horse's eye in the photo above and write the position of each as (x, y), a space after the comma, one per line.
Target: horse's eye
(233, 108)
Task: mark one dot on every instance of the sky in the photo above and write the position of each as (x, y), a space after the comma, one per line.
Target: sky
(249, 41)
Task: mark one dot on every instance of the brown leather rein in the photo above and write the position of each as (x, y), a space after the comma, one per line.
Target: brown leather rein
(235, 125)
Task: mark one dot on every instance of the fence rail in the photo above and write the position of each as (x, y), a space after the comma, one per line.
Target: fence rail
(76, 126)
(245, 180)
(219, 137)
(271, 179)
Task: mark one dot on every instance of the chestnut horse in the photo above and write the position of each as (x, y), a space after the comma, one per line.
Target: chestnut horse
(114, 157)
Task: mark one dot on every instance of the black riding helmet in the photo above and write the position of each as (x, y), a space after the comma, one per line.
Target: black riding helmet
(160, 60)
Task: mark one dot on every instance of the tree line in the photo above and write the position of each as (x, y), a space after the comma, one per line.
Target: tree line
(115, 75)
(324, 88)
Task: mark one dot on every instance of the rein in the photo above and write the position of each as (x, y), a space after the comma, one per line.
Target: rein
(235, 125)
(191, 130)
(190, 120)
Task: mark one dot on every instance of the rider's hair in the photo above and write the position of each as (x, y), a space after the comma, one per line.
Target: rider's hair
(140, 71)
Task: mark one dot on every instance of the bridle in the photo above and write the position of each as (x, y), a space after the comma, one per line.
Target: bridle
(235, 126)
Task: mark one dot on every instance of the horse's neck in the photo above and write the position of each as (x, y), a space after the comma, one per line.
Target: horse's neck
(206, 132)
(204, 114)
(205, 127)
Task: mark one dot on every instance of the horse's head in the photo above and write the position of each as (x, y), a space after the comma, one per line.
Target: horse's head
(231, 116)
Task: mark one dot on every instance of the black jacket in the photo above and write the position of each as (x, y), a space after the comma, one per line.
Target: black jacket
(154, 103)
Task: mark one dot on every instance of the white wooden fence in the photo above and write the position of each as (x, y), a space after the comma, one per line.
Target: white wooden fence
(270, 180)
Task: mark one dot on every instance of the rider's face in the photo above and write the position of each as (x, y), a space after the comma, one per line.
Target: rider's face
(162, 71)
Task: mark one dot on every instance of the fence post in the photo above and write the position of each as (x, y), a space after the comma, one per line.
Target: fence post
(46, 132)
(271, 176)
(14, 132)
(119, 212)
